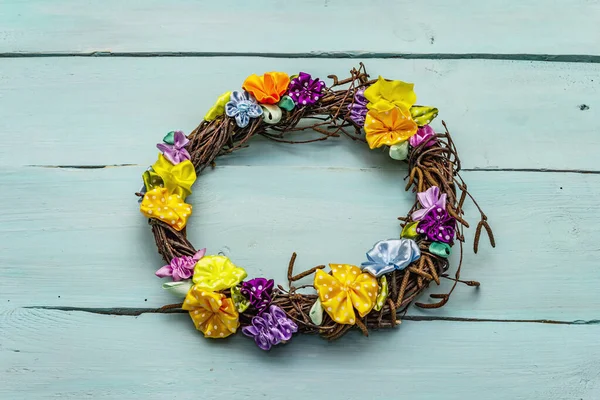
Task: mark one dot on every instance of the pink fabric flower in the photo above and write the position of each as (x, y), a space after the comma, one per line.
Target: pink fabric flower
(181, 268)
(429, 200)
(175, 152)
(424, 134)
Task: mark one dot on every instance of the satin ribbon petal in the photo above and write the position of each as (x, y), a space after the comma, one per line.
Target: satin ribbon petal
(316, 313)
(399, 151)
(179, 289)
(267, 88)
(345, 290)
(179, 178)
(241, 303)
(213, 314)
(440, 249)
(159, 203)
(218, 108)
(271, 113)
(384, 95)
(382, 294)
(410, 230)
(214, 273)
(389, 255)
(429, 200)
(423, 115)
(152, 179)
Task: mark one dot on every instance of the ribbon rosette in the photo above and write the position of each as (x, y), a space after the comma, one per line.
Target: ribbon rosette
(384, 95)
(159, 203)
(180, 268)
(389, 255)
(177, 179)
(213, 314)
(429, 200)
(175, 152)
(270, 329)
(214, 273)
(258, 292)
(388, 127)
(267, 88)
(346, 289)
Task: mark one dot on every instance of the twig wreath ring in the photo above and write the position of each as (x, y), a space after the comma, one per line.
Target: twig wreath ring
(383, 113)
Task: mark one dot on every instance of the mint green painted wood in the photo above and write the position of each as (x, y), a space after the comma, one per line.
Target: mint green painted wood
(434, 26)
(92, 247)
(74, 355)
(82, 111)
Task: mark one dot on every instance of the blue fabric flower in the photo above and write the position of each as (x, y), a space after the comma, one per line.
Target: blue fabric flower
(391, 254)
(242, 106)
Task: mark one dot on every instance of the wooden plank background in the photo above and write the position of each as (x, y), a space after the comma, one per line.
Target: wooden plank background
(87, 89)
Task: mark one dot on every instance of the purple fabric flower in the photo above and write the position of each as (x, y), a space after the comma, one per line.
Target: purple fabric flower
(424, 134)
(175, 152)
(258, 292)
(304, 90)
(358, 109)
(181, 268)
(429, 200)
(270, 328)
(437, 225)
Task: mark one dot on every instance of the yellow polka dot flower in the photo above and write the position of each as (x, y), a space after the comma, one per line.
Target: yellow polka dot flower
(214, 273)
(387, 128)
(346, 289)
(384, 95)
(213, 314)
(161, 204)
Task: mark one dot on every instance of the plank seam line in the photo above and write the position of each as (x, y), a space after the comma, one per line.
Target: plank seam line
(134, 312)
(571, 58)
(547, 170)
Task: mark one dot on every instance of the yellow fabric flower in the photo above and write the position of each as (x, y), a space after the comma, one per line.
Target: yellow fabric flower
(214, 273)
(218, 108)
(388, 127)
(159, 203)
(384, 95)
(267, 88)
(213, 314)
(348, 288)
(179, 178)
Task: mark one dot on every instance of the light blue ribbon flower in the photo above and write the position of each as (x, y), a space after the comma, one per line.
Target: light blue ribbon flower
(242, 106)
(389, 255)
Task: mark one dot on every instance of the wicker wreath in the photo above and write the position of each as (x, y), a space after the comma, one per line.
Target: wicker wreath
(382, 113)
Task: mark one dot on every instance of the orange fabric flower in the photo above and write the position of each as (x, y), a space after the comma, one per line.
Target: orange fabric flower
(267, 88)
(389, 127)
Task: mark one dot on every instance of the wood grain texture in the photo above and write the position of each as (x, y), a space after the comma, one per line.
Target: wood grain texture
(48, 355)
(89, 246)
(349, 26)
(83, 111)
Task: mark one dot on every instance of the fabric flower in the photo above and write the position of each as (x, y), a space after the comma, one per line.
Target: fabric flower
(177, 178)
(181, 268)
(437, 225)
(267, 88)
(258, 291)
(345, 290)
(176, 152)
(161, 204)
(384, 95)
(214, 273)
(243, 107)
(358, 109)
(388, 127)
(304, 90)
(270, 329)
(213, 314)
(389, 255)
(218, 108)
(429, 200)
(424, 134)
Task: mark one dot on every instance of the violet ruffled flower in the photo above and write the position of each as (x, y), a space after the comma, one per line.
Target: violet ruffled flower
(175, 152)
(304, 90)
(437, 225)
(270, 329)
(242, 106)
(358, 109)
(429, 200)
(258, 292)
(181, 268)
(424, 134)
